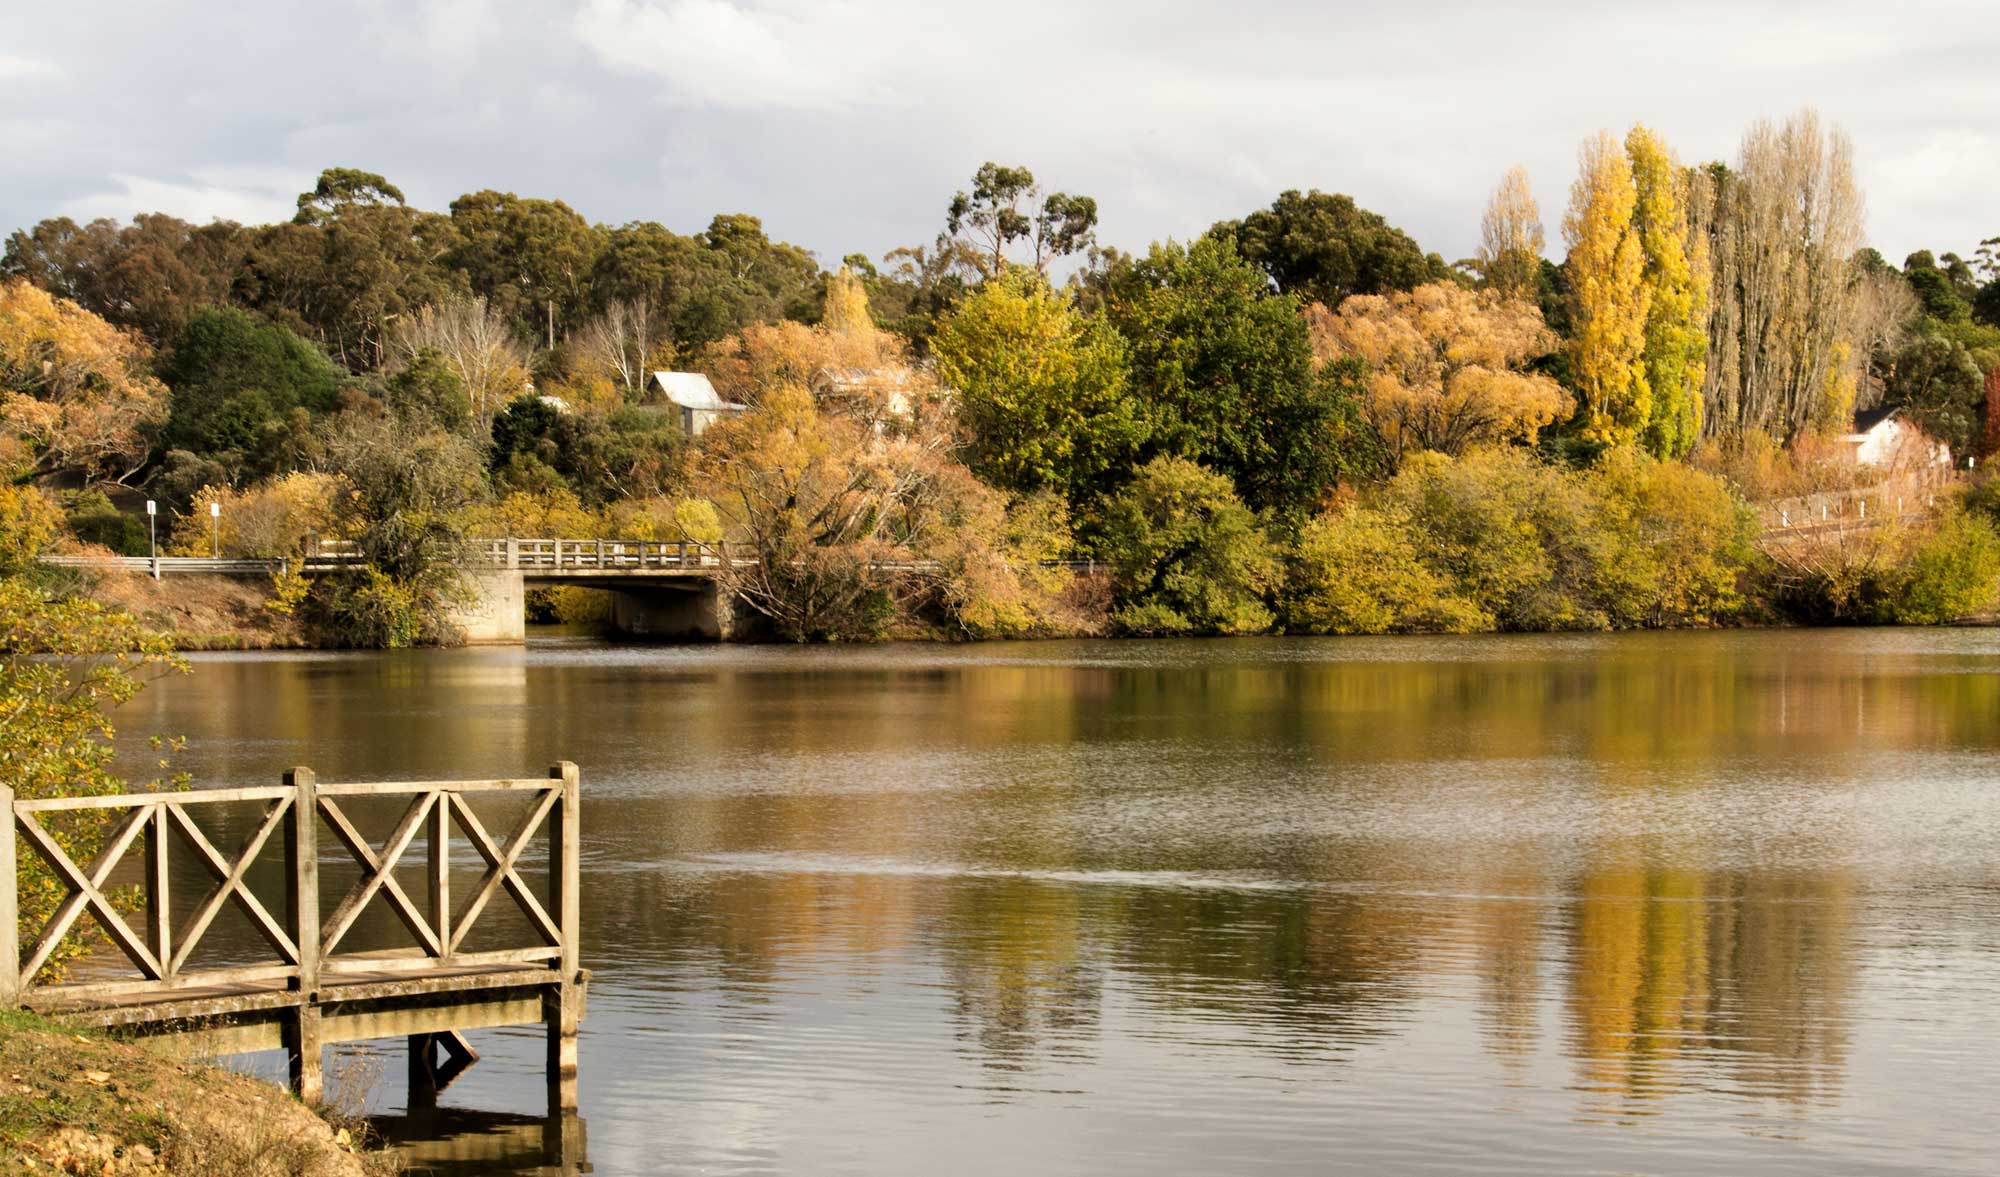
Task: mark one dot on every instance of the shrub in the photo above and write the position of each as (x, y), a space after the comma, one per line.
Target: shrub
(1187, 555)
(1358, 572)
(1952, 572)
(94, 520)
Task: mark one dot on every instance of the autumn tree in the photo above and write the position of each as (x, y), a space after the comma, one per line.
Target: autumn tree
(1676, 284)
(1323, 247)
(1001, 210)
(1510, 238)
(1609, 300)
(1041, 391)
(624, 342)
(1786, 224)
(840, 530)
(1447, 367)
(77, 396)
(65, 664)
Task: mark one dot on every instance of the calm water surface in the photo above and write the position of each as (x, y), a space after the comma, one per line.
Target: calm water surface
(1680, 904)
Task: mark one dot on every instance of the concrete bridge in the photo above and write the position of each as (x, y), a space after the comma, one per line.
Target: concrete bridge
(668, 590)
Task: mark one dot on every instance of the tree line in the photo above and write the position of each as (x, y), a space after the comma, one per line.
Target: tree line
(1299, 419)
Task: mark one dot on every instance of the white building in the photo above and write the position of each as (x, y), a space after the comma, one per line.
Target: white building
(699, 403)
(1886, 439)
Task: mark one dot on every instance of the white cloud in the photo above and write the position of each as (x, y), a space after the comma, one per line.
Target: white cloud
(231, 195)
(14, 65)
(718, 53)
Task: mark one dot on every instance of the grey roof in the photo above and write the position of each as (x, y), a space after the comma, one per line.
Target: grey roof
(1868, 419)
(691, 390)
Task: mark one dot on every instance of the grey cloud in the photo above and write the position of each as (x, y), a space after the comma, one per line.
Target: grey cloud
(846, 124)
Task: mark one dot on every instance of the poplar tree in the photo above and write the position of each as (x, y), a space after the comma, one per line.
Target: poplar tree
(1510, 237)
(1609, 299)
(1676, 287)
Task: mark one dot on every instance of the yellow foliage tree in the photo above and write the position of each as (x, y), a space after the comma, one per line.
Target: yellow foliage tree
(845, 313)
(1445, 366)
(1609, 299)
(75, 393)
(1676, 283)
(1510, 237)
(271, 520)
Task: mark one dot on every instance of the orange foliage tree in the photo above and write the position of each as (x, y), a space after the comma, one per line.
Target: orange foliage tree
(1446, 366)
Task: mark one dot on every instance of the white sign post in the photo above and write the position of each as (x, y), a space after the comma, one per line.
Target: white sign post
(153, 533)
(215, 530)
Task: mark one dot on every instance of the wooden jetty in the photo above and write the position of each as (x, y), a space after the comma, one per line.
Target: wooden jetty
(308, 993)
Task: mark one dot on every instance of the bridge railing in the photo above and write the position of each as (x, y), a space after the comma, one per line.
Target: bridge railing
(302, 945)
(608, 555)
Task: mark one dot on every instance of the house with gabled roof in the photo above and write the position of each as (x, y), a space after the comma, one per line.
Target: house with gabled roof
(699, 404)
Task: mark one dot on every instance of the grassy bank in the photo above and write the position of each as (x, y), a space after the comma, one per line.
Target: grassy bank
(201, 612)
(79, 1103)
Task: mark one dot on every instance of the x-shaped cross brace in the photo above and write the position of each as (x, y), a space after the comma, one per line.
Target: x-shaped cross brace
(380, 876)
(86, 891)
(500, 867)
(231, 875)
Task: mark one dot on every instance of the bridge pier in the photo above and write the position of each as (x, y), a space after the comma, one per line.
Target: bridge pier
(496, 611)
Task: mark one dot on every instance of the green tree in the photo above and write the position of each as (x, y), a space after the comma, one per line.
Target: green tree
(1323, 247)
(1001, 210)
(1936, 380)
(341, 189)
(1187, 555)
(710, 285)
(1224, 369)
(532, 258)
(428, 392)
(235, 380)
(1040, 388)
(150, 276)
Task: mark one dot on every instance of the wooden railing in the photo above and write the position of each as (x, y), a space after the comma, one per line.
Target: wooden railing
(304, 947)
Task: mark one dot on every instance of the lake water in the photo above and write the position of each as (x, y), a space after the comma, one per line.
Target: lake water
(1703, 903)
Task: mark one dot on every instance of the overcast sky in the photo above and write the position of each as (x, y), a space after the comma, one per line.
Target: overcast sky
(847, 124)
